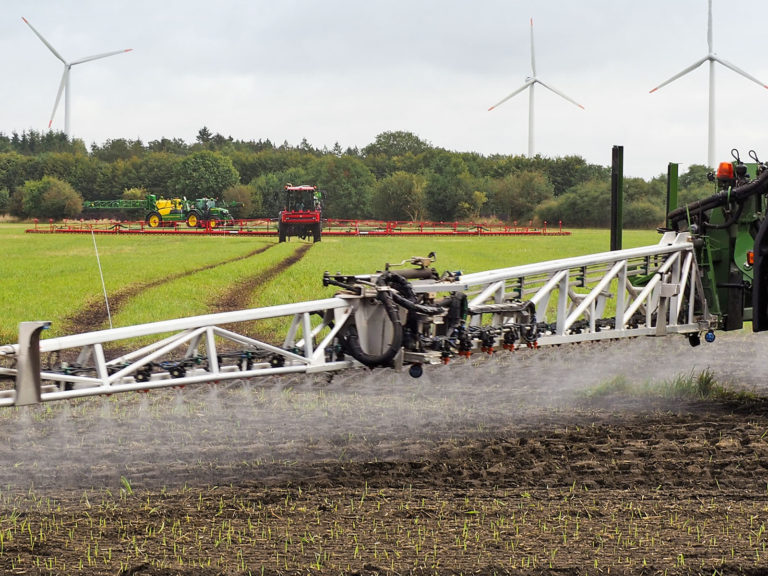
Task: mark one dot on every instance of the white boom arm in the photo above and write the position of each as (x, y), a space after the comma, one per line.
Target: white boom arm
(379, 319)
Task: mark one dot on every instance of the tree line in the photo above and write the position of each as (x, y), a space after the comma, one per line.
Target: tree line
(399, 176)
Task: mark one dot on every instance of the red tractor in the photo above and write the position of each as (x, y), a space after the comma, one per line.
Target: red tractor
(301, 214)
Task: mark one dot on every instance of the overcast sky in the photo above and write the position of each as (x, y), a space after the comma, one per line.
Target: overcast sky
(346, 70)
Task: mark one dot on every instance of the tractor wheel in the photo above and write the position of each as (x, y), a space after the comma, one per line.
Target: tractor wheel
(154, 219)
(317, 231)
(281, 232)
(193, 219)
(213, 223)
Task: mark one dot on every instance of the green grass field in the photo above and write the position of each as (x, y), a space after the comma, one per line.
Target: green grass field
(56, 277)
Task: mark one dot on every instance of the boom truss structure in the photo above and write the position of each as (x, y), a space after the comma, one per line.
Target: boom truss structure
(393, 318)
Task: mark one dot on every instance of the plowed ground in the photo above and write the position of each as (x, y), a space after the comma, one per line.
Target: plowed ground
(475, 469)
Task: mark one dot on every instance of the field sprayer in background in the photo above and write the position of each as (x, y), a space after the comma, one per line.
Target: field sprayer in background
(301, 214)
(709, 271)
(203, 212)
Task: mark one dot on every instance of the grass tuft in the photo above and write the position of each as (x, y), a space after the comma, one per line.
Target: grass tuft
(691, 386)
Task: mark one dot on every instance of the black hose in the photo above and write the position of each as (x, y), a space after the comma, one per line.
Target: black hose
(404, 294)
(397, 282)
(401, 294)
(416, 307)
(757, 186)
(351, 339)
(735, 215)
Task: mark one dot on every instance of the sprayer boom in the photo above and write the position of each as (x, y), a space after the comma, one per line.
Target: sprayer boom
(405, 316)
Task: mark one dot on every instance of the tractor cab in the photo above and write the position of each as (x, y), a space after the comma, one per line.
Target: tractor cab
(301, 199)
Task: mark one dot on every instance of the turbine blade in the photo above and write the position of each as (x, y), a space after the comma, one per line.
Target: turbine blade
(559, 93)
(51, 48)
(709, 25)
(738, 71)
(533, 53)
(515, 93)
(683, 73)
(58, 95)
(97, 56)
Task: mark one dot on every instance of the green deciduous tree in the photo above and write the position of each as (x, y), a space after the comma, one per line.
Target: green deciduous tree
(84, 176)
(637, 189)
(155, 172)
(5, 201)
(471, 208)
(204, 174)
(396, 143)
(118, 149)
(248, 198)
(448, 184)
(400, 197)
(16, 169)
(585, 205)
(566, 172)
(695, 176)
(346, 183)
(50, 197)
(695, 192)
(516, 196)
(643, 214)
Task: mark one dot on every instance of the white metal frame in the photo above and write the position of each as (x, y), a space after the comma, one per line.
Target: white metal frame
(300, 352)
(572, 294)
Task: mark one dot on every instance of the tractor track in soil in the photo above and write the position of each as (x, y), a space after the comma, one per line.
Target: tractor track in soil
(93, 315)
(239, 296)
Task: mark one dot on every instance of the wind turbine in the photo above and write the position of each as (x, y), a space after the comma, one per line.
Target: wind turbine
(64, 84)
(711, 58)
(530, 84)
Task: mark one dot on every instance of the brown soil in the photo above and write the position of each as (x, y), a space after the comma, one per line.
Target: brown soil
(239, 295)
(373, 475)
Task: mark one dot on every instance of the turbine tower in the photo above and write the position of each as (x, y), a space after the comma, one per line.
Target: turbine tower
(64, 84)
(530, 84)
(711, 58)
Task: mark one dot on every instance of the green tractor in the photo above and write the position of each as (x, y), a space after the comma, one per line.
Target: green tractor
(206, 212)
(203, 212)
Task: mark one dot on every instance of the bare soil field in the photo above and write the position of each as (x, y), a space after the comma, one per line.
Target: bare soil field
(523, 463)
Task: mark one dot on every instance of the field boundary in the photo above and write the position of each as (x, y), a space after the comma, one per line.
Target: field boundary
(331, 227)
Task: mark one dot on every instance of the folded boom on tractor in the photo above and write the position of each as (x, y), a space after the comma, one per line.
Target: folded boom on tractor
(202, 212)
(709, 271)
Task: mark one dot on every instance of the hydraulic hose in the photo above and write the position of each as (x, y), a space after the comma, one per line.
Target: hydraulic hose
(404, 295)
(738, 195)
(415, 306)
(351, 339)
